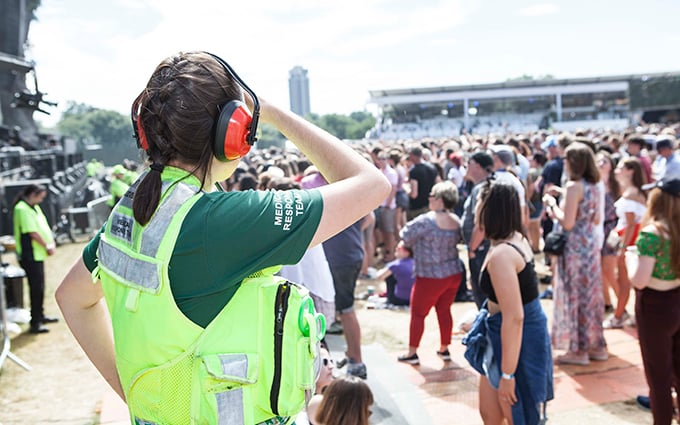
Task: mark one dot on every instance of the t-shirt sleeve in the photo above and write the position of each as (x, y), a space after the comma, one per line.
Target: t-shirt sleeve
(248, 231)
(28, 222)
(393, 178)
(648, 244)
(90, 251)
(412, 231)
(627, 206)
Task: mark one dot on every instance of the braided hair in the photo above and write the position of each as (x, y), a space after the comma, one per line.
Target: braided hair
(177, 112)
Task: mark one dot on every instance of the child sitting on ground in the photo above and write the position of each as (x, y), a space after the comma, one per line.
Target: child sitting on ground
(399, 276)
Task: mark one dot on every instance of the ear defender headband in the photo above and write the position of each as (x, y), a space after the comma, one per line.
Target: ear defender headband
(235, 128)
(139, 134)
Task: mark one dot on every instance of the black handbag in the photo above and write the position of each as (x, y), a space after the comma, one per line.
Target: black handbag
(555, 242)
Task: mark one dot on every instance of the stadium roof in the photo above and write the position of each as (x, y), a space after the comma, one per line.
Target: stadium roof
(510, 89)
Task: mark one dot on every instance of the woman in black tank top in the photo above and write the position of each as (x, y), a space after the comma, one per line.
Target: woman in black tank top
(528, 281)
(517, 325)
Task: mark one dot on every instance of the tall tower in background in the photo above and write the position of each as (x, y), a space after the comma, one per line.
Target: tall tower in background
(298, 89)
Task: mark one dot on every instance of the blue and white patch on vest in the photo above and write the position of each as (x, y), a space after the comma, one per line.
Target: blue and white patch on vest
(121, 226)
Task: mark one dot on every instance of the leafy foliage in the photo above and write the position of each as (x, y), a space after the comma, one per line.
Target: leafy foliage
(268, 136)
(110, 129)
(113, 131)
(351, 127)
(527, 77)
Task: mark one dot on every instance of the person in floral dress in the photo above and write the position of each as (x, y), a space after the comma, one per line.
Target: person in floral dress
(578, 301)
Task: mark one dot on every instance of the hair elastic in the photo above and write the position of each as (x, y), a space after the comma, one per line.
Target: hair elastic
(157, 167)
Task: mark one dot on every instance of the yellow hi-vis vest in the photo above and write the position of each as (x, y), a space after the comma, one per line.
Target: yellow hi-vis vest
(255, 363)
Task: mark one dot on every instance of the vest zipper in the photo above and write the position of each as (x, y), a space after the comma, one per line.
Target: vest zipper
(280, 309)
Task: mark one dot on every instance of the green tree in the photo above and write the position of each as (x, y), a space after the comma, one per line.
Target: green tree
(110, 129)
(269, 136)
(527, 77)
(352, 127)
(363, 121)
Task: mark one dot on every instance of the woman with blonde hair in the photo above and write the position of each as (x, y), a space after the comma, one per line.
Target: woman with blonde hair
(656, 279)
(434, 238)
(578, 302)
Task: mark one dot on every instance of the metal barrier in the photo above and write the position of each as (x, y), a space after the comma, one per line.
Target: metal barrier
(98, 212)
(4, 333)
(65, 189)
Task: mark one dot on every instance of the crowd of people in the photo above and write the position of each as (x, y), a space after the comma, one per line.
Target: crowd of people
(615, 195)
(397, 212)
(596, 187)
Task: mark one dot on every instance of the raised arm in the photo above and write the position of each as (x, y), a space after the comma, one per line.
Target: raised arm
(356, 185)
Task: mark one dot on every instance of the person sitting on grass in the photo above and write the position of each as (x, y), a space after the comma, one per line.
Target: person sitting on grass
(399, 276)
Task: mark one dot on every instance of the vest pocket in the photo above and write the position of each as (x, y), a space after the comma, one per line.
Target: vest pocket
(306, 376)
(227, 385)
(161, 394)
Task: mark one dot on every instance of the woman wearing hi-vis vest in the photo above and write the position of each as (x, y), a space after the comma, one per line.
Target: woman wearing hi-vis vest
(163, 314)
(34, 242)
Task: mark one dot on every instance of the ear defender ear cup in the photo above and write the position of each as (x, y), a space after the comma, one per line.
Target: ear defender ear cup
(236, 127)
(232, 130)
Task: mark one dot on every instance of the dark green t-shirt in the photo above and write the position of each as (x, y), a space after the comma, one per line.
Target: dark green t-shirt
(228, 236)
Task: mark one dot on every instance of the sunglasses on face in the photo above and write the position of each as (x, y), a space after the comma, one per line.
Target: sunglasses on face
(327, 361)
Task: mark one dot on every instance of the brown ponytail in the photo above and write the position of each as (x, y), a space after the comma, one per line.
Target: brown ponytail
(147, 197)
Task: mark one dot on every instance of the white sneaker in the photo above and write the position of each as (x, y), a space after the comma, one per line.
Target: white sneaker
(613, 322)
(630, 320)
(372, 272)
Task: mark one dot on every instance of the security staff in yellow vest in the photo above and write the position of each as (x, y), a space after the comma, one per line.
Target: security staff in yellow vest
(118, 185)
(174, 253)
(34, 242)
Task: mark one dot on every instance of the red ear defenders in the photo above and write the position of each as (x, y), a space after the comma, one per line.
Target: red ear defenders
(235, 128)
(139, 134)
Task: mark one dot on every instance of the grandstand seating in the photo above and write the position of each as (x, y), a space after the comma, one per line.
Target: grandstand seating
(449, 127)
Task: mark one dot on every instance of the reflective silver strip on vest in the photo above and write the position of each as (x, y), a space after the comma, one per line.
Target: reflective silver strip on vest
(156, 228)
(235, 365)
(143, 422)
(126, 200)
(230, 407)
(132, 270)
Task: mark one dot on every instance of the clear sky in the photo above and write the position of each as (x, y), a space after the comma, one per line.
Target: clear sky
(102, 53)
